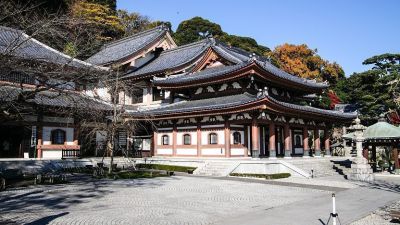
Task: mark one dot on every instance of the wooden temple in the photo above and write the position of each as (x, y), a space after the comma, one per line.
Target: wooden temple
(208, 99)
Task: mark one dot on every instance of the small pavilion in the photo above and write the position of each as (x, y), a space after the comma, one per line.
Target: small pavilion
(379, 134)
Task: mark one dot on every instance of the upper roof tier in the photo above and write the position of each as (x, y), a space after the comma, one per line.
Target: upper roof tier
(187, 57)
(126, 47)
(219, 74)
(172, 59)
(18, 44)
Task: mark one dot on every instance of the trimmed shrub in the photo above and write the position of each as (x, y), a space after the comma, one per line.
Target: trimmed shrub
(258, 175)
(185, 169)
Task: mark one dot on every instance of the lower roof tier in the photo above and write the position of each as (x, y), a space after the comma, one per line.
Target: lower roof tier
(235, 104)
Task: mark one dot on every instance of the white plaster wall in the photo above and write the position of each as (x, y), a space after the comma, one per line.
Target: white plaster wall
(241, 135)
(164, 151)
(145, 93)
(52, 154)
(186, 151)
(179, 137)
(213, 151)
(69, 134)
(237, 151)
(99, 92)
(159, 137)
(220, 133)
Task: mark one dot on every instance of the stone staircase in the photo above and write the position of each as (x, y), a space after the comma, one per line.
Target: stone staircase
(320, 167)
(342, 167)
(216, 168)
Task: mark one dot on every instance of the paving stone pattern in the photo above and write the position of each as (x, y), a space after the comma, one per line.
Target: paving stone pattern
(174, 200)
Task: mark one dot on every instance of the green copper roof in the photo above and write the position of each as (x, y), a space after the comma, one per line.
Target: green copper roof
(348, 135)
(382, 130)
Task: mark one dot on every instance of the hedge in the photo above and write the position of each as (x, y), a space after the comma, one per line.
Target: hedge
(266, 176)
(166, 167)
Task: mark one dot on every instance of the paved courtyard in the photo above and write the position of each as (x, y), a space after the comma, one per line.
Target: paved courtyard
(178, 200)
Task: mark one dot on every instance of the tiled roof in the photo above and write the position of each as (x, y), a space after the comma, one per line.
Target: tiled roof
(125, 47)
(197, 105)
(215, 72)
(306, 108)
(67, 99)
(172, 58)
(212, 72)
(228, 102)
(18, 44)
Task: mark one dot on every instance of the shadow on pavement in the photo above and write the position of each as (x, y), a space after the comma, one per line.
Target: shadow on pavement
(47, 219)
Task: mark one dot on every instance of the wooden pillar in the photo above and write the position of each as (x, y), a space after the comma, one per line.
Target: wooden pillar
(246, 141)
(327, 143)
(254, 138)
(365, 152)
(174, 139)
(317, 143)
(374, 158)
(39, 141)
(198, 131)
(306, 147)
(396, 160)
(227, 132)
(155, 143)
(286, 131)
(272, 138)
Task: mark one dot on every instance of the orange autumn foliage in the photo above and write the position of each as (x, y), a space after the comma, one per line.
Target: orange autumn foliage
(304, 62)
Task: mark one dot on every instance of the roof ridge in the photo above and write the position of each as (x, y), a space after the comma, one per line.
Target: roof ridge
(185, 46)
(142, 33)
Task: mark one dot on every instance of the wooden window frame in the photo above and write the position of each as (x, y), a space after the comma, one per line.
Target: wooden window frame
(210, 139)
(184, 140)
(52, 137)
(165, 139)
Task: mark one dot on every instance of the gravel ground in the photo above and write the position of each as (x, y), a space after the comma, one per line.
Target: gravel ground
(380, 216)
(170, 200)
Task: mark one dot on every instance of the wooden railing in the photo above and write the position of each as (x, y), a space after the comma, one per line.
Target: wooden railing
(71, 153)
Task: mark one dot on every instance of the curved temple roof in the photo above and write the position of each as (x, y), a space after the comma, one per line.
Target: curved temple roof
(226, 103)
(126, 47)
(171, 59)
(18, 44)
(214, 73)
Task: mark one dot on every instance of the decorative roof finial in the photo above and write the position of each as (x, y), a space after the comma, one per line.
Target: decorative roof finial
(253, 57)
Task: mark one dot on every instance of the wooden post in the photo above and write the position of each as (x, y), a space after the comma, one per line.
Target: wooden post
(246, 141)
(174, 139)
(155, 143)
(327, 143)
(287, 141)
(254, 138)
(272, 138)
(374, 158)
(227, 131)
(198, 131)
(396, 160)
(306, 147)
(317, 143)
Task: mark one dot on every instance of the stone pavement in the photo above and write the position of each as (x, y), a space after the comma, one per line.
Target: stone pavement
(182, 200)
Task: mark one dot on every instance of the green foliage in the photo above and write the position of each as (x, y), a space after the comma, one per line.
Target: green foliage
(166, 167)
(258, 175)
(373, 91)
(198, 28)
(136, 174)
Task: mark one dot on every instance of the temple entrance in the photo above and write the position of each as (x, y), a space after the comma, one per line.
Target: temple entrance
(14, 141)
(297, 141)
(264, 140)
(279, 142)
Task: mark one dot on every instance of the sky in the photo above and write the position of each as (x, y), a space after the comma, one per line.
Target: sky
(345, 31)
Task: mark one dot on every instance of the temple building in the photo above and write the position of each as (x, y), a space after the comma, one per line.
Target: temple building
(41, 121)
(208, 99)
(204, 99)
